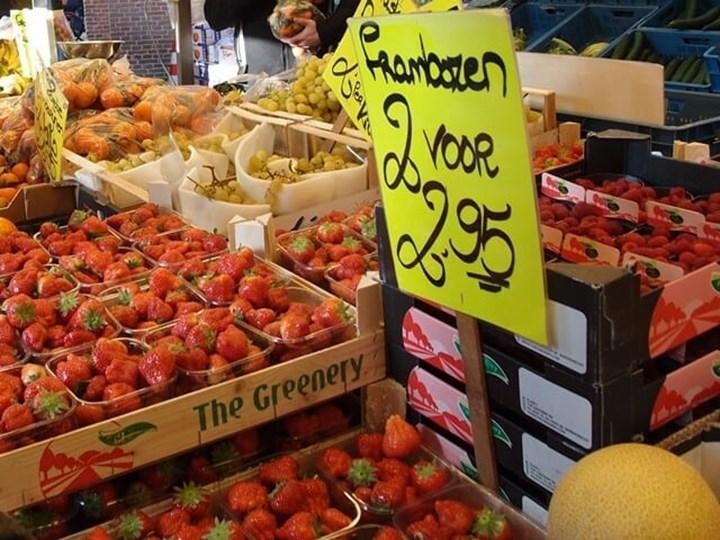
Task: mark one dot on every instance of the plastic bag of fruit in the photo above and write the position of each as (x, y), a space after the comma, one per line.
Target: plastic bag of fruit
(108, 135)
(15, 124)
(289, 184)
(190, 107)
(82, 80)
(127, 91)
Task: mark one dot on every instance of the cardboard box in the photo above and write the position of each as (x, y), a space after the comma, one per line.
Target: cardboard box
(523, 496)
(15, 209)
(44, 200)
(590, 417)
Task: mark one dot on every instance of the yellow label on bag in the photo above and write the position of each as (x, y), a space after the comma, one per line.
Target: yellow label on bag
(341, 73)
(454, 166)
(51, 109)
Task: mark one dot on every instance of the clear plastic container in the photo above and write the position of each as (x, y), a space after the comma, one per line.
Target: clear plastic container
(344, 290)
(147, 247)
(314, 274)
(94, 411)
(64, 230)
(48, 269)
(138, 235)
(143, 270)
(372, 513)
(286, 349)
(110, 298)
(191, 380)
(477, 497)
(355, 221)
(363, 532)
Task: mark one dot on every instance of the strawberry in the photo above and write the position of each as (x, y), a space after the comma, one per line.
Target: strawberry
(73, 371)
(104, 351)
(78, 337)
(159, 311)
(428, 527)
(122, 370)
(278, 298)
(90, 316)
(191, 359)
(183, 308)
(217, 289)
(47, 228)
(455, 515)
(97, 261)
(491, 525)
(34, 336)
(126, 316)
(202, 336)
(46, 312)
(200, 470)
(287, 498)
(115, 272)
(337, 252)
(362, 472)
(389, 468)
(387, 533)
(300, 248)
(300, 526)
(243, 497)
(170, 522)
(260, 318)
(8, 335)
(293, 327)
(224, 530)
(218, 318)
(331, 312)
(98, 533)
(260, 524)
(193, 499)
(334, 520)
(400, 439)
(23, 282)
(389, 494)
(35, 388)
(129, 402)
(140, 302)
(330, 233)
(16, 416)
(214, 243)
(232, 343)
(254, 289)
(133, 525)
(317, 496)
(234, 264)
(184, 324)
(157, 366)
(162, 281)
(50, 284)
(20, 310)
(335, 461)
(278, 470)
(428, 477)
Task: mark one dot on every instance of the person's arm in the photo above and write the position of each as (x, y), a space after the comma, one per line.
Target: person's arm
(221, 14)
(331, 30)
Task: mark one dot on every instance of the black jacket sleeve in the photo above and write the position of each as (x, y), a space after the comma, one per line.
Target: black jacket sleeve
(331, 30)
(221, 14)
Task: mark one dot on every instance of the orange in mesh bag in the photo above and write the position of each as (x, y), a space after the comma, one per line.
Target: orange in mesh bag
(82, 80)
(127, 92)
(110, 134)
(15, 124)
(181, 106)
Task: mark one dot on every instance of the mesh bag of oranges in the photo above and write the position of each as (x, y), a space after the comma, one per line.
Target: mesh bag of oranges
(82, 80)
(194, 108)
(127, 91)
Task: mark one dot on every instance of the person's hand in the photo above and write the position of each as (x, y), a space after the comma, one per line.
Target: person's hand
(308, 37)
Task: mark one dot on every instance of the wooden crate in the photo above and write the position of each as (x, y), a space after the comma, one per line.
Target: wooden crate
(86, 456)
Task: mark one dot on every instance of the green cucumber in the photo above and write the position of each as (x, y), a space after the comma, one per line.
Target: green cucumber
(682, 69)
(715, 25)
(689, 9)
(696, 22)
(622, 48)
(655, 58)
(644, 55)
(702, 74)
(636, 48)
(693, 70)
(671, 67)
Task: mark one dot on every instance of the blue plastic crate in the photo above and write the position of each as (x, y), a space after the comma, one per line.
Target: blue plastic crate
(595, 23)
(712, 61)
(671, 45)
(670, 11)
(537, 19)
(690, 117)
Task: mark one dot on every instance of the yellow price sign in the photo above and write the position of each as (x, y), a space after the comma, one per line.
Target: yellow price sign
(51, 109)
(451, 146)
(342, 75)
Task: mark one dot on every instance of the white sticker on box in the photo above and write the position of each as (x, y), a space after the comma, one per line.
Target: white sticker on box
(568, 338)
(542, 464)
(534, 511)
(556, 407)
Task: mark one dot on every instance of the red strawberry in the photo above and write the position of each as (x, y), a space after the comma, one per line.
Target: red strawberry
(300, 526)
(301, 248)
(193, 499)
(232, 343)
(335, 461)
(218, 289)
(428, 477)
(140, 302)
(104, 351)
(428, 527)
(390, 468)
(8, 335)
(254, 289)
(34, 336)
(162, 281)
(278, 470)
(317, 496)
(95, 388)
(98, 533)
(134, 525)
(126, 316)
(287, 498)
(16, 416)
(202, 336)
(234, 265)
(491, 525)
(98, 261)
(243, 497)
(400, 439)
(388, 494)
(122, 370)
(334, 520)
(20, 310)
(330, 233)
(159, 311)
(116, 272)
(260, 318)
(362, 472)
(331, 312)
(73, 370)
(129, 402)
(170, 522)
(46, 312)
(455, 515)
(157, 366)
(260, 524)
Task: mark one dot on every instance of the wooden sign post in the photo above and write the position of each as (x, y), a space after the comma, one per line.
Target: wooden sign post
(450, 138)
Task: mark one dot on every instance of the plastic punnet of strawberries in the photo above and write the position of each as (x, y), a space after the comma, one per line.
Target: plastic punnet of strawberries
(450, 518)
(144, 221)
(385, 471)
(209, 347)
(174, 248)
(50, 324)
(43, 282)
(344, 277)
(18, 250)
(160, 298)
(115, 376)
(33, 406)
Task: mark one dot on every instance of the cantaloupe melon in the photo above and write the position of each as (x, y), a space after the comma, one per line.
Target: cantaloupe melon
(633, 492)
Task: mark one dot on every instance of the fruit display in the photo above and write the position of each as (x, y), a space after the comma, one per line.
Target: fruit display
(308, 252)
(308, 94)
(145, 221)
(48, 326)
(282, 20)
(362, 221)
(384, 471)
(145, 304)
(556, 155)
(12, 353)
(19, 250)
(221, 189)
(37, 282)
(34, 406)
(261, 165)
(210, 347)
(344, 276)
(315, 424)
(84, 231)
(115, 376)
(635, 487)
(172, 249)
(368, 532)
